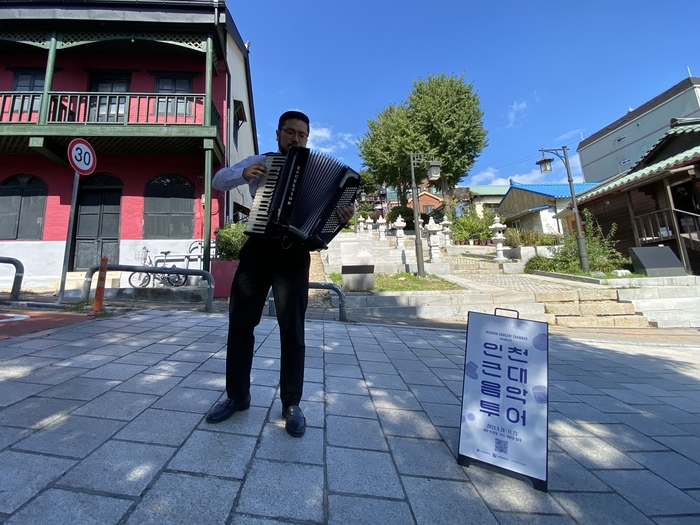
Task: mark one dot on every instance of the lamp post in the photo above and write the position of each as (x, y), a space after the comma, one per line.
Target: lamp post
(382, 197)
(545, 164)
(433, 174)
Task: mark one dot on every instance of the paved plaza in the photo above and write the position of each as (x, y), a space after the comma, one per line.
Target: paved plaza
(103, 422)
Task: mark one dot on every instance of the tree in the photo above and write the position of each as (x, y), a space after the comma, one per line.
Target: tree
(385, 148)
(445, 112)
(441, 116)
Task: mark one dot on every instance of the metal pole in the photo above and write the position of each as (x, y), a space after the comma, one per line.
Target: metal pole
(416, 223)
(69, 237)
(580, 240)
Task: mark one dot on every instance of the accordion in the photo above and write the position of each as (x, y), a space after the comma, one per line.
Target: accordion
(299, 196)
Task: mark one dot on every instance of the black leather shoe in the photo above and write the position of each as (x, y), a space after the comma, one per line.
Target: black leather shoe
(295, 421)
(224, 410)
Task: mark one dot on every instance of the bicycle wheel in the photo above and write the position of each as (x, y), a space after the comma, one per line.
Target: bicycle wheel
(139, 279)
(176, 279)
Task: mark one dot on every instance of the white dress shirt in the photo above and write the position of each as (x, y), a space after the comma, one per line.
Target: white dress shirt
(229, 178)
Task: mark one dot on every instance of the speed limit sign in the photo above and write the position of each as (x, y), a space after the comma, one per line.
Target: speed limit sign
(82, 156)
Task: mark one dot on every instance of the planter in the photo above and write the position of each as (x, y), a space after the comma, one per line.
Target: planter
(223, 272)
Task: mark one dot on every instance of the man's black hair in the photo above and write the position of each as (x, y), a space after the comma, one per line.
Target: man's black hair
(293, 115)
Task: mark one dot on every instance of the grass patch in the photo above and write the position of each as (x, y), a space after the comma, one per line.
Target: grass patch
(405, 282)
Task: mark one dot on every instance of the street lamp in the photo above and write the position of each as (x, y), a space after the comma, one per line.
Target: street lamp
(382, 197)
(433, 174)
(545, 164)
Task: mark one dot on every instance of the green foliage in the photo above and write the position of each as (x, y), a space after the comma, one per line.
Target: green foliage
(515, 238)
(404, 282)
(441, 116)
(602, 255)
(543, 264)
(471, 226)
(406, 214)
(445, 113)
(229, 240)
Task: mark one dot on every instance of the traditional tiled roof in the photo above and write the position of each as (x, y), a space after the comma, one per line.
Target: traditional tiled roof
(644, 170)
(682, 86)
(557, 191)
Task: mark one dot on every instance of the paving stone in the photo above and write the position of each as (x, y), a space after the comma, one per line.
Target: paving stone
(343, 371)
(437, 501)
(59, 352)
(186, 499)
(248, 422)
(371, 367)
(631, 397)
(649, 425)
(649, 493)
(63, 507)
(116, 405)
(385, 381)
(403, 399)
(583, 412)
(409, 365)
(206, 380)
(566, 475)
(346, 385)
(90, 361)
(72, 436)
(215, 454)
(148, 384)
(13, 391)
(442, 415)
(623, 438)
(364, 472)
(684, 403)
(172, 368)
(160, 348)
(276, 444)
(161, 427)
(340, 359)
(139, 358)
(352, 510)
(355, 433)
(600, 508)
(532, 519)
(407, 423)
(574, 387)
(510, 492)
(283, 490)
(607, 404)
(119, 467)
(22, 476)
(434, 394)
(674, 468)
(80, 388)
(349, 405)
(421, 457)
(188, 400)
(10, 435)
(594, 453)
(37, 412)
(689, 446)
(669, 414)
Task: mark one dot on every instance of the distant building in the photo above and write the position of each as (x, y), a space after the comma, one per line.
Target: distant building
(618, 146)
(479, 198)
(536, 206)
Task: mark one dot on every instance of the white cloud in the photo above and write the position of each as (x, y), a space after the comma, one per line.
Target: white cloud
(515, 112)
(323, 139)
(574, 133)
(492, 176)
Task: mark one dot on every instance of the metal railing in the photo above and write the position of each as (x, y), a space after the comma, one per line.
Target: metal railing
(87, 283)
(654, 226)
(342, 303)
(111, 108)
(690, 227)
(19, 275)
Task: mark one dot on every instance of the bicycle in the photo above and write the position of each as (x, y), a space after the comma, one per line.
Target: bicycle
(143, 279)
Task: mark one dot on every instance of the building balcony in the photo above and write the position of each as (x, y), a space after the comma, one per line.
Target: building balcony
(111, 121)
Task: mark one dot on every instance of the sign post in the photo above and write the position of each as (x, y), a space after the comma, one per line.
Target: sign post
(83, 160)
(504, 399)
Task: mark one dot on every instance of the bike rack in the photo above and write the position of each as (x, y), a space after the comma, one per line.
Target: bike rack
(19, 275)
(342, 304)
(151, 269)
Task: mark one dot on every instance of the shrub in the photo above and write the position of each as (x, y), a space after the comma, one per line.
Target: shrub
(515, 238)
(538, 262)
(229, 240)
(406, 214)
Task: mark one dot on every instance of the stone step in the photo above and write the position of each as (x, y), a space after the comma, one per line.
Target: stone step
(603, 321)
(531, 312)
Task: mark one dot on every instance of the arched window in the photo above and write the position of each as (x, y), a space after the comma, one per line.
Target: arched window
(169, 208)
(22, 207)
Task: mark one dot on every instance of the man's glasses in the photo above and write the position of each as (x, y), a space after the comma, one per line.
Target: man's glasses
(290, 133)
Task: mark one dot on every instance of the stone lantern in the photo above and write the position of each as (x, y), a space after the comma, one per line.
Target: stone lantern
(497, 230)
(399, 224)
(434, 241)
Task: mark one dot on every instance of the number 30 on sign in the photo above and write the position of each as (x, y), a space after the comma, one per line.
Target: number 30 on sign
(82, 156)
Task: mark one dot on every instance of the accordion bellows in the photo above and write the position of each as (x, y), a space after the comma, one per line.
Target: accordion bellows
(298, 198)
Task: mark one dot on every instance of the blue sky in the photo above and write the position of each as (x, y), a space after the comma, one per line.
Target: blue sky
(547, 72)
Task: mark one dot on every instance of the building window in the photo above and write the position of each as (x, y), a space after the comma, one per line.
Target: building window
(169, 208)
(428, 208)
(112, 107)
(177, 86)
(27, 81)
(22, 207)
(516, 225)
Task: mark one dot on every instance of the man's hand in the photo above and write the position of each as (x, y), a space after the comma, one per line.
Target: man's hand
(255, 171)
(345, 214)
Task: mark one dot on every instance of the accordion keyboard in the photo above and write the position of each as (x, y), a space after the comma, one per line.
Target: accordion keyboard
(258, 220)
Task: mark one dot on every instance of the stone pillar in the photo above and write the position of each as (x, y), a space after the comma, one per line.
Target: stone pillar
(399, 224)
(361, 224)
(446, 231)
(497, 228)
(381, 225)
(369, 222)
(434, 241)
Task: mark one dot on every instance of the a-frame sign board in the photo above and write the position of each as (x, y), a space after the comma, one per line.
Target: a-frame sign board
(504, 397)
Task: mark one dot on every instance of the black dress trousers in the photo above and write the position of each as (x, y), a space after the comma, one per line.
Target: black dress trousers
(263, 264)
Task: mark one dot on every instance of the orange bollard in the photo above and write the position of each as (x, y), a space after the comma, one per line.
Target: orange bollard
(100, 290)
